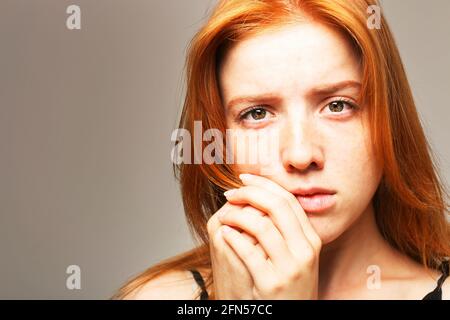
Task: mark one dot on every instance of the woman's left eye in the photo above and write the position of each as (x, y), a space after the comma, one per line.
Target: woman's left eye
(338, 106)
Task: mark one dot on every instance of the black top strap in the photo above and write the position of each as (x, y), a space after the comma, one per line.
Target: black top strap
(198, 278)
(436, 294)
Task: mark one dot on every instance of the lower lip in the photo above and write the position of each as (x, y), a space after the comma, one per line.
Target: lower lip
(317, 202)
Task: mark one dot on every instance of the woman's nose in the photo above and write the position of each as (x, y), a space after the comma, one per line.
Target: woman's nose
(300, 146)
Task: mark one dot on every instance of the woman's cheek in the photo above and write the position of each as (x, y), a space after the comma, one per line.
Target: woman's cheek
(256, 151)
(355, 169)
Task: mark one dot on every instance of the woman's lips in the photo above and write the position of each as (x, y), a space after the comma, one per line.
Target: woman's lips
(317, 202)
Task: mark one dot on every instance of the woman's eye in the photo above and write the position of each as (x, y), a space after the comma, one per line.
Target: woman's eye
(338, 106)
(255, 114)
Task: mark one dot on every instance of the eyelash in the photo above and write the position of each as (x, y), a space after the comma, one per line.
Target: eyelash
(242, 115)
(349, 102)
(246, 112)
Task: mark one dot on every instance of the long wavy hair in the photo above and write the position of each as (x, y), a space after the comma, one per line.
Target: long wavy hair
(410, 202)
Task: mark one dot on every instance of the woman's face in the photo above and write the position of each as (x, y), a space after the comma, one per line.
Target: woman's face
(303, 80)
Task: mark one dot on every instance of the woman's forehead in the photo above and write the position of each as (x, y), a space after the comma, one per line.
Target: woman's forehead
(302, 56)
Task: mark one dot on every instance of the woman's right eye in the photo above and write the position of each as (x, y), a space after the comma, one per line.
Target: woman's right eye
(254, 114)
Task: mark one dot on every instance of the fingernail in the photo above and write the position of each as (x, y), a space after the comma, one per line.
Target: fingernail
(229, 192)
(226, 229)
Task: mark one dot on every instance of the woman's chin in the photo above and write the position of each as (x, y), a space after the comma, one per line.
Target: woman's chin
(325, 226)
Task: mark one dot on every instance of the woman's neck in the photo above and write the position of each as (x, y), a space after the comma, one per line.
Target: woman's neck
(345, 261)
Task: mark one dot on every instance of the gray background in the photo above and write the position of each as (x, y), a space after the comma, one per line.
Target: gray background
(85, 123)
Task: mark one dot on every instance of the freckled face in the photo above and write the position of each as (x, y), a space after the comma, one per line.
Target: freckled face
(302, 82)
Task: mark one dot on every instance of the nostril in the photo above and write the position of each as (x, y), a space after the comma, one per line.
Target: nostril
(311, 166)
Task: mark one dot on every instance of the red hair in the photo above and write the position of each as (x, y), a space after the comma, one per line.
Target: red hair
(409, 203)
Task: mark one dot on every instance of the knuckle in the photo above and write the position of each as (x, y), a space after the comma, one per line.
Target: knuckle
(261, 251)
(249, 238)
(294, 273)
(275, 287)
(249, 254)
(317, 243)
(309, 257)
(265, 287)
(263, 227)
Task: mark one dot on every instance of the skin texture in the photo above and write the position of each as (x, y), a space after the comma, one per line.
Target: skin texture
(274, 248)
(317, 147)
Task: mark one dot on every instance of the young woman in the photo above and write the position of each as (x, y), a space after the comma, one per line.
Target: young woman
(352, 207)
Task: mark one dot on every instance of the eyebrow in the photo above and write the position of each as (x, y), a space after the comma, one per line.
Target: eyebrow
(333, 87)
(321, 90)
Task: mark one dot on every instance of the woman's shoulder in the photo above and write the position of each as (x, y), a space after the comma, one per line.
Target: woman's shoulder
(434, 282)
(170, 285)
(403, 278)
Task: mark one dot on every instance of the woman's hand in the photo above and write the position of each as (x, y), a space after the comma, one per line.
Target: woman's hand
(232, 279)
(285, 234)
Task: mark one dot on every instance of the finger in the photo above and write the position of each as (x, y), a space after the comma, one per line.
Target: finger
(213, 223)
(225, 262)
(265, 232)
(308, 229)
(279, 211)
(258, 267)
(258, 246)
(221, 251)
(254, 211)
(254, 242)
(249, 237)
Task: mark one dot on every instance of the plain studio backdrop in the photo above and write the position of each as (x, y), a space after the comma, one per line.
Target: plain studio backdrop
(85, 122)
